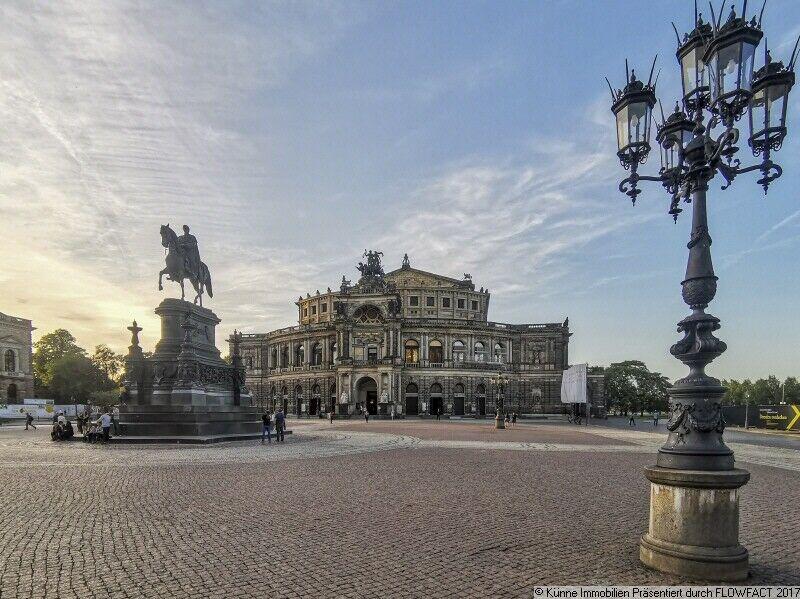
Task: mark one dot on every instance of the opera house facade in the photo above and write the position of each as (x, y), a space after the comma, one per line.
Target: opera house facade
(407, 342)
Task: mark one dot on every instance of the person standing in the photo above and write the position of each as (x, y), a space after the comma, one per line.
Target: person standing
(631, 420)
(439, 414)
(280, 424)
(29, 421)
(656, 416)
(105, 424)
(513, 418)
(115, 419)
(266, 427)
(366, 415)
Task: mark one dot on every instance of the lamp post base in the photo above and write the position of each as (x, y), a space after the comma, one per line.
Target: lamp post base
(499, 422)
(694, 524)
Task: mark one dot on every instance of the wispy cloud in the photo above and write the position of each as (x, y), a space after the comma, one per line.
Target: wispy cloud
(119, 116)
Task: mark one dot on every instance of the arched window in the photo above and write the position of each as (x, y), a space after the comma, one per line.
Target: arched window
(10, 361)
(499, 353)
(435, 352)
(249, 362)
(298, 391)
(412, 388)
(372, 354)
(436, 389)
(459, 351)
(412, 352)
(334, 352)
(315, 391)
(458, 389)
(481, 389)
(480, 352)
(284, 391)
(316, 354)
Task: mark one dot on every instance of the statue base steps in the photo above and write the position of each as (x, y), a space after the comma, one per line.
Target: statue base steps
(188, 420)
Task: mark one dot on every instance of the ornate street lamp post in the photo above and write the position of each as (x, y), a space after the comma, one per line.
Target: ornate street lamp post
(499, 382)
(694, 501)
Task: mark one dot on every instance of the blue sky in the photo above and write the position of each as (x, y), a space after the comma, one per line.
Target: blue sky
(476, 136)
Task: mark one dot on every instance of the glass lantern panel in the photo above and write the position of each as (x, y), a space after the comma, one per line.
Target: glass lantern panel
(748, 55)
(726, 69)
(759, 119)
(686, 136)
(695, 74)
(669, 156)
(638, 122)
(622, 128)
(776, 105)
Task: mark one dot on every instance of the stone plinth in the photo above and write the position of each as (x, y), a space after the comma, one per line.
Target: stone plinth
(185, 391)
(694, 524)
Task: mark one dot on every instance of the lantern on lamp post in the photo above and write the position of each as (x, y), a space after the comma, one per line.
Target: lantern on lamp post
(694, 508)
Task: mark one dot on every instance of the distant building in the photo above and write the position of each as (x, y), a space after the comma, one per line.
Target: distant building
(16, 353)
(410, 341)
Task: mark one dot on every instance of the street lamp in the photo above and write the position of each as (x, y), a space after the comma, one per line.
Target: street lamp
(499, 382)
(694, 505)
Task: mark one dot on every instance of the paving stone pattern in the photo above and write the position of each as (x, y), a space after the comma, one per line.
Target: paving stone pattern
(338, 513)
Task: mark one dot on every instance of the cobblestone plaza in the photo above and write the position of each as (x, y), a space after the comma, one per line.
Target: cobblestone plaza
(404, 508)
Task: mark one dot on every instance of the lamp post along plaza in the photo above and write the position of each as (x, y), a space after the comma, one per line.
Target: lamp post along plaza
(694, 500)
(500, 381)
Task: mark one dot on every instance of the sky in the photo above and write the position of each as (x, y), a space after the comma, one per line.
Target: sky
(475, 136)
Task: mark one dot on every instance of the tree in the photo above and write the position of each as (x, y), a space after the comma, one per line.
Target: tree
(48, 350)
(109, 362)
(631, 387)
(791, 390)
(73, 378)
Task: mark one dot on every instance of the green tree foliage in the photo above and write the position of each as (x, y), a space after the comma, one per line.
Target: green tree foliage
(65, 373)
(109, 362)
(47, 351)
(631, 387)
(73, 378)
(768, 391)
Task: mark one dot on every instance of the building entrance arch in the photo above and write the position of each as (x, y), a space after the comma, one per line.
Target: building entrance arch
(412, 400)
(367, 390)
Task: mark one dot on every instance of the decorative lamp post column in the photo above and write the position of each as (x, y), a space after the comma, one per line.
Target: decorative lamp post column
(694, 500)
(500, 381)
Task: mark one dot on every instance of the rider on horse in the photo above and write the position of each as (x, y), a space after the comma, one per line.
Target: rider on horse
(187, 243)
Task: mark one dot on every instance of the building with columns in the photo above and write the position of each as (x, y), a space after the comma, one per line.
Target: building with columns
(407, 341)
(16, 359)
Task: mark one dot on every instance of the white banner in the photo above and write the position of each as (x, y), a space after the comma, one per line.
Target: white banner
(573, 384)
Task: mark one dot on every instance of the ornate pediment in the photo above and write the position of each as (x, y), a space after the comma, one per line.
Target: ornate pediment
(11, 340)
(405, 278)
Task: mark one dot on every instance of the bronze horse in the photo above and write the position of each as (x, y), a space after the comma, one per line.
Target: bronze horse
(176, 267)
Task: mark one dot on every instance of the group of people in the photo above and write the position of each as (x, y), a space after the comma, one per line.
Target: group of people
(656, 418)
(511, 418)
(269, 419)
(93, 429)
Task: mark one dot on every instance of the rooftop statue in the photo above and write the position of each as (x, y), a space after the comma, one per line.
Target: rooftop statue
(183, 262)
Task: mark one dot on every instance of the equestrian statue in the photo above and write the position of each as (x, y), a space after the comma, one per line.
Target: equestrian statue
(183, 262)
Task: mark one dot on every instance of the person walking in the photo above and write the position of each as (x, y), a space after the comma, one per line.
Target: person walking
(266, 427)
(439, 414)
(280, 425)
(656, 416)
(513, 418)
(29, 421)
(631, 420)
(366, 414)
(105, 423)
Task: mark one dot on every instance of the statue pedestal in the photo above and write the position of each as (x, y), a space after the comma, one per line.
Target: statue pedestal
(185, 392)
(694, 524)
